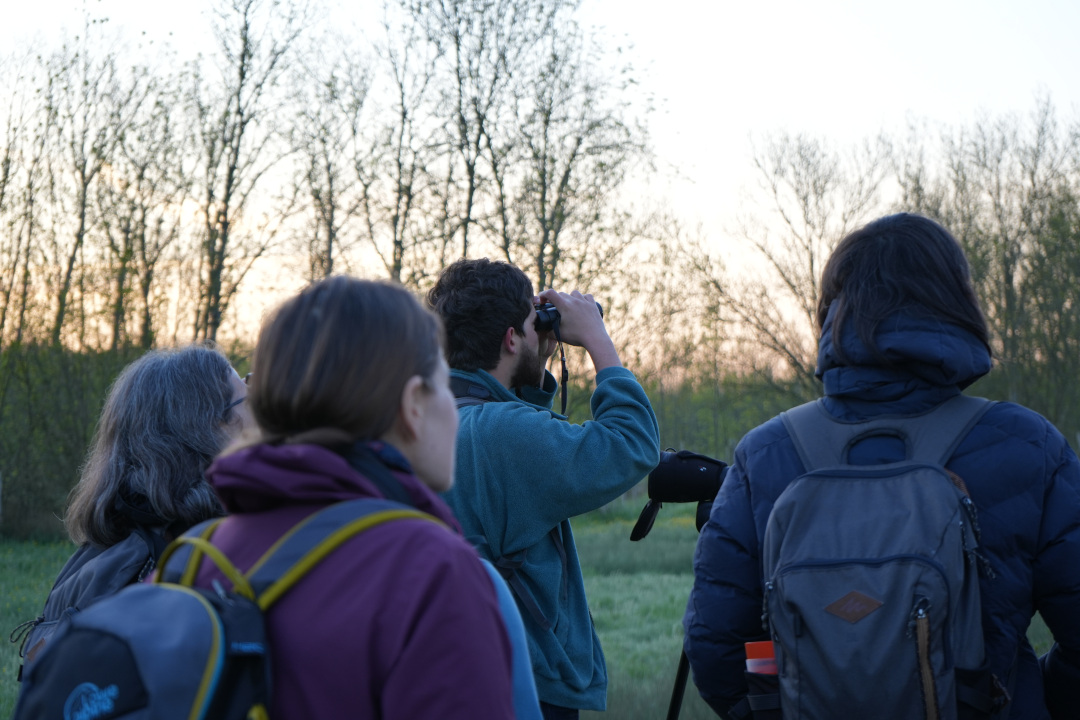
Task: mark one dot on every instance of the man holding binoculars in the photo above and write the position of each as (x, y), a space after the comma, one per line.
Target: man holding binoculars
(522, 470)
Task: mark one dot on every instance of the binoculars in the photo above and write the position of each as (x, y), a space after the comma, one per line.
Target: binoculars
(547, 315)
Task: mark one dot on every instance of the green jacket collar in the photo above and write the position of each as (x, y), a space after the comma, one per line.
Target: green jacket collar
(541, 398)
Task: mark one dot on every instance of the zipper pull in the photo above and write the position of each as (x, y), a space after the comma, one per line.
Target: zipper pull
(984, 564)
(973, 515)
(765, 608)
(980, 560)
(220, 591)
(918, 612)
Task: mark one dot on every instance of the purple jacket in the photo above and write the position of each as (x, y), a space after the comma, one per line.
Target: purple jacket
(401, 621)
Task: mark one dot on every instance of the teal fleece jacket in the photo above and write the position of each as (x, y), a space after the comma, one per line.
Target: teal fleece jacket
(522, 470)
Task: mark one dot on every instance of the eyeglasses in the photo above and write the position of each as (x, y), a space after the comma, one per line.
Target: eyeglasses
(237, 401)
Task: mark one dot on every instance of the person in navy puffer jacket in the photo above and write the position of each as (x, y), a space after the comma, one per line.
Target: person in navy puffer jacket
(901, 331)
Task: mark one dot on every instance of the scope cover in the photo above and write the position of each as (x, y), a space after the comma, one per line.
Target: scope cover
(686, 476)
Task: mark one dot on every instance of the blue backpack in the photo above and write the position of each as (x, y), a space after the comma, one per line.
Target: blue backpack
(168, 649)
(871, 574)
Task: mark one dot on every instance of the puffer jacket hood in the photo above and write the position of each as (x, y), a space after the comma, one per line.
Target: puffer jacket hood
(921, 362)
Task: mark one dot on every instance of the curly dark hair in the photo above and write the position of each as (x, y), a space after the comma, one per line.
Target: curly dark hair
(477, 300)
(899, 262)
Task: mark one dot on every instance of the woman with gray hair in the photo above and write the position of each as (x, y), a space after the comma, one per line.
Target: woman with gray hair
(166, 416)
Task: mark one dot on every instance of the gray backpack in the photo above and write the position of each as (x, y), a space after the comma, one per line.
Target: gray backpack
(90, 574)
(871, 572)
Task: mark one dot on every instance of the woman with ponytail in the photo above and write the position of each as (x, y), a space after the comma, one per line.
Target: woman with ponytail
(350, 393)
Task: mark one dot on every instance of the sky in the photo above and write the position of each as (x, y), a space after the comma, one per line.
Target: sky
(724, 71)
(842, 70)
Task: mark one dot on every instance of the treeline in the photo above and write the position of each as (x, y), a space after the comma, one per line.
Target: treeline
(145, 195)
(1008, 187)
(139, 189)
(143, 192)
(54, 395)
(51, 398)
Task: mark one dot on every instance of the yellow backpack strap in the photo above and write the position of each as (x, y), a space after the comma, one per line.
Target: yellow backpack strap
(201, 546)
(180, 560)
(306, 544)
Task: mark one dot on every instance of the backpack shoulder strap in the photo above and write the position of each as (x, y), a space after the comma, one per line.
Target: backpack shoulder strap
(935, 437)
(822, 441)
(306, 544)
(468, 393)
(180, 561)
(288, 559)
(817, 437)
(194, 548)
(508, 565)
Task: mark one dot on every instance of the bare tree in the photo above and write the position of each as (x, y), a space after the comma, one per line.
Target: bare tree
(814, 195)
(481, 44)
(91, 103)
(18, 120)
(402, 214)
(142, 210)
(576, 145)
(328, 138)
(1008, 189)
(237, 148)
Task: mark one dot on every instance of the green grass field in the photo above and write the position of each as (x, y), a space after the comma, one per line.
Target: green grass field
(27, 571)
(637, 592)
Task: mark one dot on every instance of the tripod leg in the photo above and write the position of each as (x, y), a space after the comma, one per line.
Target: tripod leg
(677, 692)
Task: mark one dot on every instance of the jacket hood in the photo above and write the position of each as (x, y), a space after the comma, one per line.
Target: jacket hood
(923, 361)
(265, 477)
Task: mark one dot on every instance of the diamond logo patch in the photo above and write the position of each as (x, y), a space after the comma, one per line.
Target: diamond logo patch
(854, 606)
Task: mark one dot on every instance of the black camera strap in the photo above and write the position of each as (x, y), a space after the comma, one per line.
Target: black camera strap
(562, 356)
(565, 379)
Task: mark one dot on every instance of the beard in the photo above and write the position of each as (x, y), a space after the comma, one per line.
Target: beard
(529, 370)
